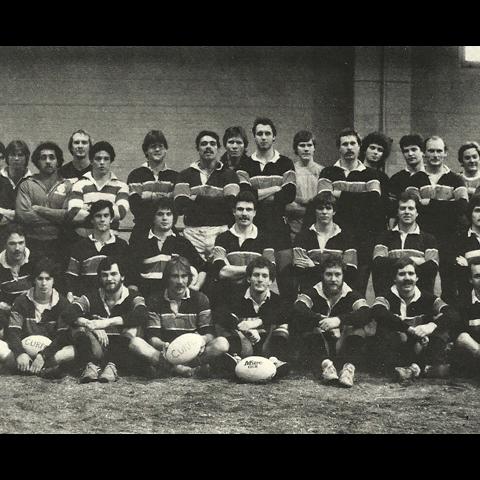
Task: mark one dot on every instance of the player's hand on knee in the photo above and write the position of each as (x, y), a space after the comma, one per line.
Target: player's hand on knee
(37, 364)
(23, 362)
(102, 337)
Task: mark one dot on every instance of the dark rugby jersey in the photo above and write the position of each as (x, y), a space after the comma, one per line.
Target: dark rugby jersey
(130, 307)
(392, 312)
(149, 261)
(240, 306)
(415, 244)
(360, 197)
(11, 286)
(448, 204)
(228, 251)
(405, 180)
(81, 274)
(307, 244)
(213, 201)
(469, 309)
(351, 308)
(278, 172)
(69, 171)
(168, 319)
(27, 319)
(142, 180)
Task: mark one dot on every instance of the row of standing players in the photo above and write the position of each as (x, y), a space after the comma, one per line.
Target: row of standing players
(352, 186)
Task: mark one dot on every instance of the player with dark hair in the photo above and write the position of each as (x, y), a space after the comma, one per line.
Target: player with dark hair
(413, 327)
(307, 172)
(41, 203)
(235, 142)
(173, 311)
(38, 312)
(321, 237)
(254, 319)
(79, 145)
(16, 169)
(469, 159)
(445, 201)
(152, 251)
(272, 177)
(103, 323)
(87, 253)
(406, 239)
(204, 193)
(329, 324)
(150, 182)
(99, 184)
(360, 205)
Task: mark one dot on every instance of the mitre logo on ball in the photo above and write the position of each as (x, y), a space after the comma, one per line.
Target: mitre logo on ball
(255, 369)
(185, 348)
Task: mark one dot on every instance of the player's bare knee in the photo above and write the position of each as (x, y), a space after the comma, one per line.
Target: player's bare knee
(218, 346)
(4, 351)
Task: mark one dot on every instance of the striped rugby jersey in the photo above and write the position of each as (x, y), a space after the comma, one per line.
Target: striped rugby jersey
(393, 244)
(278, 172)
(11, 285)
(213, 198)
(81, 273)
(471, 183)
(168, 319)
(469, 309)
(87, 191)
(143, 180)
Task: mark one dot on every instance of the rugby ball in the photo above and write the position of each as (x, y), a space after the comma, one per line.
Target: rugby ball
(35, 343)
(255, 369)
(184, 349)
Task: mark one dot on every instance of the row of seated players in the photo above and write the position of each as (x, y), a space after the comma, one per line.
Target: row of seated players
(50, 207)
(406, 331)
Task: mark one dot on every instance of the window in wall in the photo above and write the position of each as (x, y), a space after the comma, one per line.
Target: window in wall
(471, 56)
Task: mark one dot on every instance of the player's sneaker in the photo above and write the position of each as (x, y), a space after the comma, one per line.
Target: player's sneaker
(437, 371)
(283, 368)
(90, 374)
(329, 372)
(346, 375)
(109, 373)
(407, 373)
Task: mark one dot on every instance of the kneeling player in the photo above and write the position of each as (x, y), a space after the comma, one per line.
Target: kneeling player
(174, 311)
(412, 326)
(255, 320)
(329, 321)
(103, 323)
(38, 312)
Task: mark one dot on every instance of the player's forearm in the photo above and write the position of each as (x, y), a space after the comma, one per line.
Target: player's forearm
(233, 272)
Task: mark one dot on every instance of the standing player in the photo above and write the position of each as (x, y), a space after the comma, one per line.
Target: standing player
(79, 145)
(445, 201)
(99, 184)
(359, 195)
(272, 177)
(405, 240)
(204, 193)
(413, 327)
(235, 142)
(307, 172)
(151, 252)
(150, 182)
(38, 312)
(319, 239)
(469, 159)
(329, 321)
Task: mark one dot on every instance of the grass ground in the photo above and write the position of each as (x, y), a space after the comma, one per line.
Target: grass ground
(298, 404)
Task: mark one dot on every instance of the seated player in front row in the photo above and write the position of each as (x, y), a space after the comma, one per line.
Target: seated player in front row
(413, 327)
(319, 238)
(112, 314)
(173, 311)
(237, 247)
(406, 239)
(330, 322)
(38, 312)
(254, 319)
(152, 250)
(87, 253)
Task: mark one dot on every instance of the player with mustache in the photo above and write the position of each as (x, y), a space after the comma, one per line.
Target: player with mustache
(413, 326)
